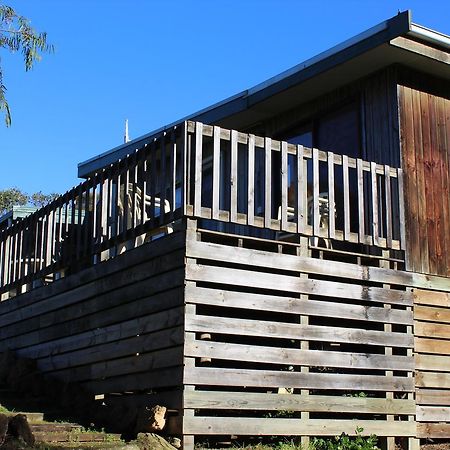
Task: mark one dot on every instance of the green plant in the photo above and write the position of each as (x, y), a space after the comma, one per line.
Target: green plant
(346, 442)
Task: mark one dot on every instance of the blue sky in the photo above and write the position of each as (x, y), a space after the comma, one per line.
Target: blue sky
(154, 62)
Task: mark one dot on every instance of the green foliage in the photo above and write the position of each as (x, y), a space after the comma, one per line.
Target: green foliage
(12, 197)
(15, 197)
(346, 442)
(16, 34)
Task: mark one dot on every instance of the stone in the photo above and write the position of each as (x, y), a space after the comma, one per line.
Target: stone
(3, 427)
(151, 419)
(18, 427)
(176, 442)
(152, 441)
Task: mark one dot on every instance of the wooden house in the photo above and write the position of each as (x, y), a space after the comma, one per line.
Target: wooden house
(277, 264)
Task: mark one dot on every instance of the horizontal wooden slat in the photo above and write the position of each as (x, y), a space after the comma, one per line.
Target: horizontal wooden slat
(431, 314)
(433, 397)
(433, 380)
(427, 345)
(289, 427)
(269, 378)
(295, 402)
(233, 299)
(434, 330)
(239, 277)
(275, 355)
(433, 414)
(137, 344)
(204, 250)
(435, 298)
(436, 363)
(282, 330)
(433, 430)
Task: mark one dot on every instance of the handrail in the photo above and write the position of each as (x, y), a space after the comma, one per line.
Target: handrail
(205, 172)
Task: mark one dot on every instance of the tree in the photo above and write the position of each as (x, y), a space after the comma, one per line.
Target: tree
(15, 197)
(16, 34)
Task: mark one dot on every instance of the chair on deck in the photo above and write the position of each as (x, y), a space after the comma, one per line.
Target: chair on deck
(134, 216)
(324, 213)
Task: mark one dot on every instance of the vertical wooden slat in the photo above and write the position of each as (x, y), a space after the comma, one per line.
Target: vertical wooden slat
(133, 191)
(185, 169)
(198, 169)
(284, 186)
(6, 259)
(152, 180)
(346, 189)
(173, 174)
(79, 221)
(316, 192)
(85, 220)
(233, 176)
(361, 212)
(268, 182)
(375, 234)
(331, 199)
(401, 201)
(216, 174)
(251, 180)
(301, 188)
(388, 203)
(142, 182)
(163, 180)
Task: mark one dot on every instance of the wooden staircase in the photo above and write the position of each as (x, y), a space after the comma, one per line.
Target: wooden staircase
(53, 428)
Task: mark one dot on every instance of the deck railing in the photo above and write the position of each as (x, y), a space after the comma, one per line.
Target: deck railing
(205, 172)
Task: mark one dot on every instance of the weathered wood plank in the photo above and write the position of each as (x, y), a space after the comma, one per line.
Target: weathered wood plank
(428, 345)
(316, 427)
(251, 180)
(284, 186)
(271, 378)
(268, 182)
(433, 414)
(198, 158)
(433, 430)
(435, 298)
(433, 397)
(216, 174)
(219, 252)
(295, 402)
(234, 177)
(433, 380)
(238, 277)
(429, 329)
(233, 299)
(431, 314)
(346, 193)
(282, 330)
(331, 197)
(277, 355)
(433, 362)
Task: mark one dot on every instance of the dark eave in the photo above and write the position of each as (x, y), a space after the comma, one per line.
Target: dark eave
(396, 40)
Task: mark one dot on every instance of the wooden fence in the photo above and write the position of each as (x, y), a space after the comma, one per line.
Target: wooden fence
(205, 172)
(279, 343)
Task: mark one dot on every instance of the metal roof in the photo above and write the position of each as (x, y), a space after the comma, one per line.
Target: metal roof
(352, 59)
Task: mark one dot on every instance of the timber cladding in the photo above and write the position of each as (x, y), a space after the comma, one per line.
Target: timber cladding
(282, 344)
(114, 328)
(432, 359)
(425, 141)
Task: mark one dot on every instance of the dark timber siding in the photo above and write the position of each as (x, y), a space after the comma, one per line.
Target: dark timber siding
(425, 137)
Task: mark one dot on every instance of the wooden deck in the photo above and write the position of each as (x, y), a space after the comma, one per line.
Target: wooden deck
(246, 184)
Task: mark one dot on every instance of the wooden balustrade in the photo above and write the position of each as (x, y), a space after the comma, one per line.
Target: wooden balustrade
(207, 172)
